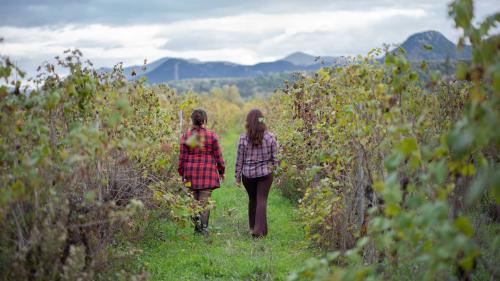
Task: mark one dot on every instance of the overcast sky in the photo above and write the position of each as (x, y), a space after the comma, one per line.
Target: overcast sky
(245, 32)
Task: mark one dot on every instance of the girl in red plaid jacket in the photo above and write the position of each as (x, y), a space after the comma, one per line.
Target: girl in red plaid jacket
(201, 165)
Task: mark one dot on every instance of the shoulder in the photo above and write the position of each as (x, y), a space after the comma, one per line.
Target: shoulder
(212, 134)
(186, 134)
(269, 136)
(243, 138)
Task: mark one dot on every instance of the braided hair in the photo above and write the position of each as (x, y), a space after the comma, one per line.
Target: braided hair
(199, 117)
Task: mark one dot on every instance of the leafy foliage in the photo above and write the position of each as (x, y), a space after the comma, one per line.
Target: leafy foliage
(82, 157)
(397, 170)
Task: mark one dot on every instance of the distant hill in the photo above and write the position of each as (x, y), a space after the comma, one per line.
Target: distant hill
(300, 58)
(138, 68)
(174, 69)
(428, 45)
(433, 46)
(181, 69)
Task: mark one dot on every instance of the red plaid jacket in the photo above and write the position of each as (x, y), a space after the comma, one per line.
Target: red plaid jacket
(201, 163)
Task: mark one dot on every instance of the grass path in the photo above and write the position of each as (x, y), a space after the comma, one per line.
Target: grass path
(229, 253)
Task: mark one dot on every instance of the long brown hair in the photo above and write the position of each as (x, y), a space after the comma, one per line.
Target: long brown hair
(255, 127)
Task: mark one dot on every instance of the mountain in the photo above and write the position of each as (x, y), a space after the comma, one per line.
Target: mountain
(127, 71)
(300, 58)
(433, 46)
(428, 45)
(180, 69)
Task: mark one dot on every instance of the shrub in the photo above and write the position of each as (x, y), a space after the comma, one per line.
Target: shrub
(400, 169)
(81, 156)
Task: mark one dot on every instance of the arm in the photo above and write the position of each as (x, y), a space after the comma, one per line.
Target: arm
(182, 157)
(218, 156)
(239, 160)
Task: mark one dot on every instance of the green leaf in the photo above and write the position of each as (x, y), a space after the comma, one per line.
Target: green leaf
(378, 186)
(114, 119)
(333, 255)
(90, 196)
(461, 72)
(487, 178)
(427, 47)
(392, 209)
(435, 76)
(440, 171)
(407, 146)
(362, 242)
(463, 224)
(17, 188)
(53, 99)
(423, 65)
(5, 196)
(393, 161)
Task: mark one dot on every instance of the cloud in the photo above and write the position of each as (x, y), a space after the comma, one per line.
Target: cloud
(108, 32)
(246, 38)
(131, 12)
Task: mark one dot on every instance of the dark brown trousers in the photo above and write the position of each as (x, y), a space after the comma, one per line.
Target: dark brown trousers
(258, 190)
(201, 219)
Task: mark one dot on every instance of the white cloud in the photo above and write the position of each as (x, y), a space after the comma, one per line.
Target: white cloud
(245, 38)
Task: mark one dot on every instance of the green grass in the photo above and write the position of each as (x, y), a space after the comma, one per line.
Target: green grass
(228, 253)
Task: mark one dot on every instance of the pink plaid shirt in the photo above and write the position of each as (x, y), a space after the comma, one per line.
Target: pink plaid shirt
(256, 161)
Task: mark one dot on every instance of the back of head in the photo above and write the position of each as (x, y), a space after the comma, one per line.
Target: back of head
(255, 127)
(199, 117)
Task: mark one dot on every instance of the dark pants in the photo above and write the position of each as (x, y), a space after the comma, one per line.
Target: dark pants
(258, 190)
(201, 219)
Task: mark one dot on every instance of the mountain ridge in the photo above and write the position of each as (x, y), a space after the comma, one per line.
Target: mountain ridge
(427, 45)
(433, 45)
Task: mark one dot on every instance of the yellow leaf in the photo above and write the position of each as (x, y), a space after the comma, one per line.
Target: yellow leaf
(463, 224)
(378, 186)
(392, 209)
(158, 194)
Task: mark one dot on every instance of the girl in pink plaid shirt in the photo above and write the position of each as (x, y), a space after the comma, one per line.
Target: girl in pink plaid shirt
(255, 163)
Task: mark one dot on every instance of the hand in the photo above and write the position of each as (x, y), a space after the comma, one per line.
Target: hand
(222, 177)
(238, 182)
